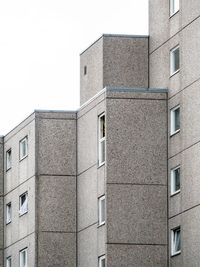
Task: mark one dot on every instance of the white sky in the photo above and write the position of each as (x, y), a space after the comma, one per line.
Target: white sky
(40, 43)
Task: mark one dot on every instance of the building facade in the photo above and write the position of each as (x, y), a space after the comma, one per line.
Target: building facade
(116, 182)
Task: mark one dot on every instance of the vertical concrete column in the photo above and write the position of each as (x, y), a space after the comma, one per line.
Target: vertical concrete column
(1, 198)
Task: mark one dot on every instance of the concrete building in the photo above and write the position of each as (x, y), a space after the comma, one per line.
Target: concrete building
(115, 183)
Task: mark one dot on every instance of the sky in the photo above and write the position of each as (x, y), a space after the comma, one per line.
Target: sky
(40, 44)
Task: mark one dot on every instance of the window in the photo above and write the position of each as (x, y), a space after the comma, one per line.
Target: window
(176, 241)
(23, 148)
(8, 213)
(175, 180)
(23, 258)
(175, 120)
(174, 6)
(102, 204)
(102, 261)
(8, 262)
(85, 70)
(23, 204)
(8, 159)
(174, 60)
(102, 139)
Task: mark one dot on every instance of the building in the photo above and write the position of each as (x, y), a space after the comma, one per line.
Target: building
(115, 183)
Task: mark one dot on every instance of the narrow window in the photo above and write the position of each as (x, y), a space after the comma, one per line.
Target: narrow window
(23, 204)
(176, 241)
(23, 148)
(102, 203)
(85, 70)
(174, 7)
(8, 213)
(8, 159)
(23, 258)
(102, 139)
(102, 261)
(174, 60)
(175, 120)
(8, 262)
(175, 180)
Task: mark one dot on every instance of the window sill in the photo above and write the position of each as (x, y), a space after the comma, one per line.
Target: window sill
(100, 165)
(176, 253)
(174, 73)
(8, 169)
(173, 14)
(7, 223)
(174, 133)
(22, 214)
(23, 158)
(101, 224)
(175, 193)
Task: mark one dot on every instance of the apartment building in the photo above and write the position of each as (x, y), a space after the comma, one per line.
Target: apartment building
(115, 183)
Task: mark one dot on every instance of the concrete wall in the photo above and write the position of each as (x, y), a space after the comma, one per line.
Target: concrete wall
(111, 61)
(136, 178)
(1, 198)
(56, 188)
(90, 185)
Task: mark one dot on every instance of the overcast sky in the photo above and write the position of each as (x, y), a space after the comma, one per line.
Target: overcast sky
(40, 43)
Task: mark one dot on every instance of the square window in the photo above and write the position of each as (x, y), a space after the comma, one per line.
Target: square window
(8, 159)
(23, 204)
(175, 180)
(102, 206)
(102, 139)
(23, 148)
(176, 241)
(174, 7)
(8, 261)
(174, 60)
(175, 120)
(102, 261)
(23, 258)
(8, 213)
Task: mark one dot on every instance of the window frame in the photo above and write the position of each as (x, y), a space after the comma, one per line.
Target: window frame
(172, 177)
(100, 220)
(20, 256)
(100, 259)
(172, 9)
(8, 159)
(101, 140)
(172, 120)
(20, 203)
(172, 60)
(8, 214)
(25, 139)
(9, 259)
(173, 244)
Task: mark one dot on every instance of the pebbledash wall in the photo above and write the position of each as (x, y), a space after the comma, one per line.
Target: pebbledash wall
(143, 89)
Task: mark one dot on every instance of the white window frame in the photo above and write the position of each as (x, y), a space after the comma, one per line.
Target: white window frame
(8, 159)
(174, 231)
(9, 261)
(172, 122)
(23, 142)
(102, 141)
(23, 207)
(172, 60)
(22, 264)
(173, 182)
(8, 213)
(100, 211)
(100, 260)
(174, 7)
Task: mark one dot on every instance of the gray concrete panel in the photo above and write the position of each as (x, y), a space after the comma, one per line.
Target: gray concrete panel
(136, 141)
(101, 240)
(56, 249)
(136, 214)
(1, 165)
(87, 247)
(56, 146)
(136, 256)
(190, 10)
(87, 198)
(57, 203)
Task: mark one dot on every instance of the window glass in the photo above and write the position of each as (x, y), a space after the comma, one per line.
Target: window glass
(23, 203)
(8, 262)
(8, 213)
(174, 60)
(102, 139)
(23, 148)
(8, 159)
(176, 241)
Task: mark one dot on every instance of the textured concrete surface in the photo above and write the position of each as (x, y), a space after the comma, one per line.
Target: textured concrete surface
(136, 256)
(136, 214)
(136, 141)
(56, 146)
(1, 165)
(189, 11)
(56, 249)
(57, 203)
